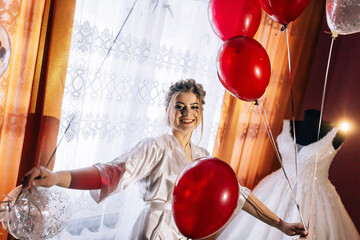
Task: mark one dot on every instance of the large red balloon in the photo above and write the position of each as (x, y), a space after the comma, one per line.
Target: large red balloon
(284, 11)
(205, 197)
(244, 68)
(230, 18)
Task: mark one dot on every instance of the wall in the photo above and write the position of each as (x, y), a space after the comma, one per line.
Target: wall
(341, 102)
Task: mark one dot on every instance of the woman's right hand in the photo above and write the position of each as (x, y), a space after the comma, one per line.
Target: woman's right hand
(292, 229)
(39, 176)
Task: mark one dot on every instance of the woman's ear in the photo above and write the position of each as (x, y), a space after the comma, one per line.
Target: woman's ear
(167, 114)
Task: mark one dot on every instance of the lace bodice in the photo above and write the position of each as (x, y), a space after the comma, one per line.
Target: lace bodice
(321, 151)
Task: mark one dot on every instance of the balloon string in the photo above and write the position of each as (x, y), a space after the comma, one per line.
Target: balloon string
(320, 118)
(324, 89)
(53, 153)
(292, 103)
(117, 35)
(268, 130)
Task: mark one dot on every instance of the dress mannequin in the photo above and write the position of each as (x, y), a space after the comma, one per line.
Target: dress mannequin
(321, 205)
(306, 130)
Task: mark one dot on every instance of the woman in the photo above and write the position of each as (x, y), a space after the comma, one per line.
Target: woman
(155, 164)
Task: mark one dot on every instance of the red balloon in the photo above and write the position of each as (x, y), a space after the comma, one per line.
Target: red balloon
(244, 68)
(205, 197)
(284, 11)
(230, 18)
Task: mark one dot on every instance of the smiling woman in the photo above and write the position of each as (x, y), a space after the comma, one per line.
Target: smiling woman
(123, 103)
(155, 164)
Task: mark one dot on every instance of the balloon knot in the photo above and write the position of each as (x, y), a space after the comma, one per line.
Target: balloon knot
(256, 102)
(334, 34)
(284, 27)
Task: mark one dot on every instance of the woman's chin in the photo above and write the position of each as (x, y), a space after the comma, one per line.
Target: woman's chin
(185, 129)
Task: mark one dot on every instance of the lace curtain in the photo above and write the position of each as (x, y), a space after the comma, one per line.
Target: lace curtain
(119, 101)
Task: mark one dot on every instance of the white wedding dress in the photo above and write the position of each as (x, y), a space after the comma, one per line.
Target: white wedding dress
(328, 217)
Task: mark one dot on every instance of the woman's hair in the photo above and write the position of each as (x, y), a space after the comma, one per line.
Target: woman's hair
(188, 85)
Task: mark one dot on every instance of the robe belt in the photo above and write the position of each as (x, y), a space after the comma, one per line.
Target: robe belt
(160, 205)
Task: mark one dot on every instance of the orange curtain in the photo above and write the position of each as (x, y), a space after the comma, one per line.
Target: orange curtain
(242, 140)
(31, 89)
(49, 81)
(22, 20)
(24, 30)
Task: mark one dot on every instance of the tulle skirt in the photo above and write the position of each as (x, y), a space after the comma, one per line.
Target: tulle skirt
(328, 217)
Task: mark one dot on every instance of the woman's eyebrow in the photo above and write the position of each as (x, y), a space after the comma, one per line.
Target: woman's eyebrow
(195, 103)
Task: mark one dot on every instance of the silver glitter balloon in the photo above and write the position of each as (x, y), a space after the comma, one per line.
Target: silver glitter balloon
(5, 50)
(40, 214)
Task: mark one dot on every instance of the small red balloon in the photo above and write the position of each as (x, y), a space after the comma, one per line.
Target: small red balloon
(284, 11)
(230, 18)
(204, 198)
(244, 68)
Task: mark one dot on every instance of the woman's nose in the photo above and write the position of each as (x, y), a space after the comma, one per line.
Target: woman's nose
(185, 111)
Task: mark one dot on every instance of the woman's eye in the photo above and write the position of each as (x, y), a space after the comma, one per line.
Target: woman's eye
(195, 107)
(178, 107)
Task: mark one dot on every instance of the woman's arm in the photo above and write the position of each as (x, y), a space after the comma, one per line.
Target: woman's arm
(84, 178)
(256, 208)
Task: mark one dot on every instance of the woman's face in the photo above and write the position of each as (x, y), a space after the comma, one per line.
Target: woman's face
(186, 115)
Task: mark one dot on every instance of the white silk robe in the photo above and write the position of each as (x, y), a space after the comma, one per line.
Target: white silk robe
(154, 164)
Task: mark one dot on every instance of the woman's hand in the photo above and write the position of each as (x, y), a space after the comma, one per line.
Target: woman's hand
(39, 176)
(292, 229)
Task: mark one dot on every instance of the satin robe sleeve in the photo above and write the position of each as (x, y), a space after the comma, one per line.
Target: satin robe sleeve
(128, 168)
(243, 195)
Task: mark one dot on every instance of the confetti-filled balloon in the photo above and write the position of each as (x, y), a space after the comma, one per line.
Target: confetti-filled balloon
(5, 50)
(40, 214)
(343, 16)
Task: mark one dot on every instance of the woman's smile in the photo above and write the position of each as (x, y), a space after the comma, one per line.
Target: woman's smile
(187, 121)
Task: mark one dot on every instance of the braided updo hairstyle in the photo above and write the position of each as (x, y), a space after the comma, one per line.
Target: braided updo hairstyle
(188, 85)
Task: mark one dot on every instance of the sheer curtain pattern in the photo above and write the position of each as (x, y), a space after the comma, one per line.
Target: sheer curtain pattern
(121, 101)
